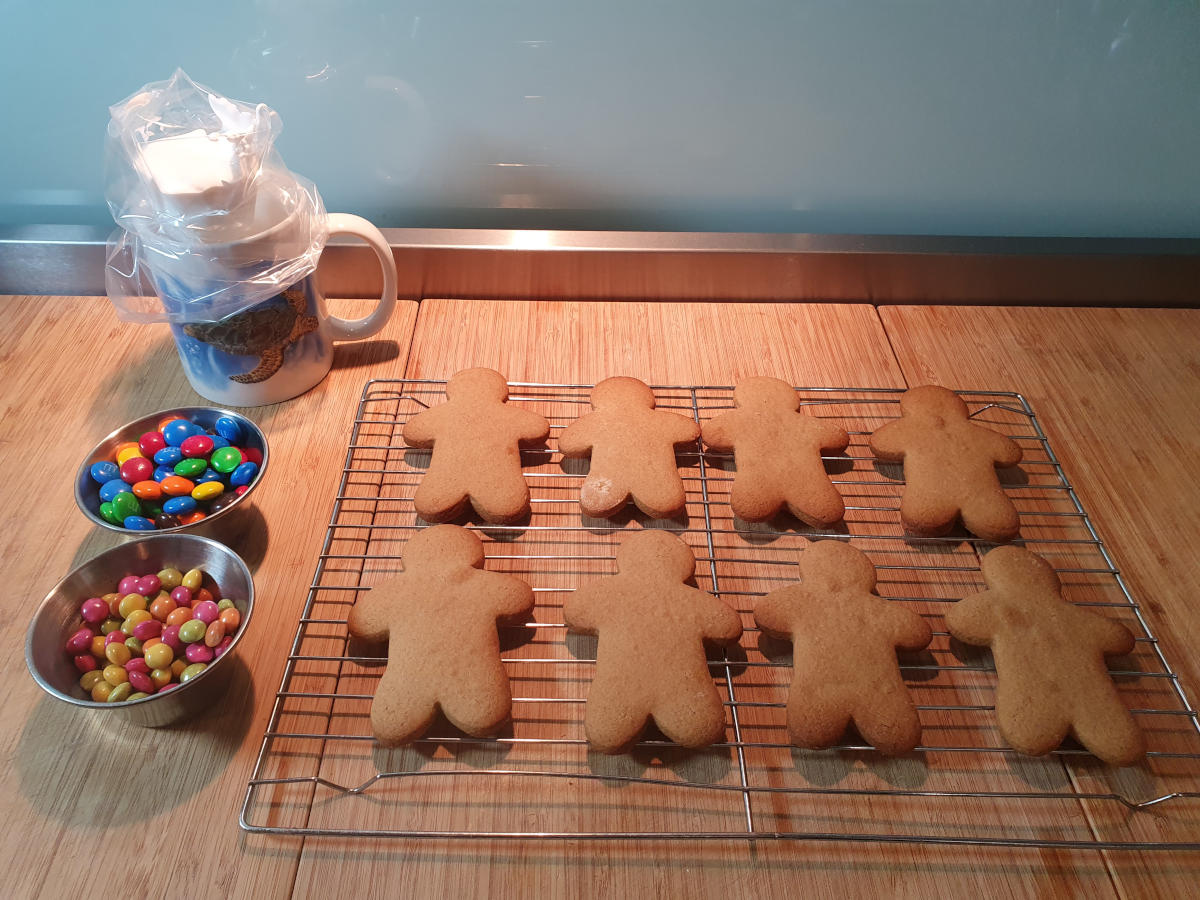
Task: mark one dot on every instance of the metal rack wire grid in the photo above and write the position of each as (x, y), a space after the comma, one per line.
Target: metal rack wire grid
(320, 772)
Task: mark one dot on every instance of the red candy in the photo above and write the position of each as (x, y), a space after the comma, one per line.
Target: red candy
(141, 682)
(249, 454)
(80, 641)
(137, 664)
(196, 446)
(137, 468)
(85, 662)
(151, 628)
(151, 442)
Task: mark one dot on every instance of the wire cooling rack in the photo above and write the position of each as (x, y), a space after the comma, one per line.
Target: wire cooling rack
(319, 771)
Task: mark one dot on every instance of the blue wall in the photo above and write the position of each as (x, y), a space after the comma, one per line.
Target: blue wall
(1023, 117)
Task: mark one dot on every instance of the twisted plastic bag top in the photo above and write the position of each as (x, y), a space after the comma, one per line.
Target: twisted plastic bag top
(211, 220)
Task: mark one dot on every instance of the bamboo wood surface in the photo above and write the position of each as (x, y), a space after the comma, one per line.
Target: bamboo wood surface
(72, 372)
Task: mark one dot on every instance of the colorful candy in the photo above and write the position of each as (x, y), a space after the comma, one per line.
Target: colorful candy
(176, 475)
(132, 646)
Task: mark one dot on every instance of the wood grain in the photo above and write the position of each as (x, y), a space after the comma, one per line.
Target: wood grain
(79, 787)
(1118, 392)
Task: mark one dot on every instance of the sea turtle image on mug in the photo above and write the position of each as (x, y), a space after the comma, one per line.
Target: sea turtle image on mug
(264, 331)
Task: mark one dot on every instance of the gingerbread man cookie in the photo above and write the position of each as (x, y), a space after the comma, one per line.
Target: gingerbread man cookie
(844, 639)
(632, 446)
(439, 619)
(949, 466)
(476, 439)
(777, 450)
(650, 660)
(1051, 677)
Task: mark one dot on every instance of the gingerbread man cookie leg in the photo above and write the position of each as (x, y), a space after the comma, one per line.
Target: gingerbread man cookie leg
(949, 466)
(650, 659)
(632, 446)
(476, 438)
(844, 639)
(1050, 669)
(439, 618)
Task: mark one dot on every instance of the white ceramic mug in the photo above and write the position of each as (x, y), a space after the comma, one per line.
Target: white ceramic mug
(279, 347)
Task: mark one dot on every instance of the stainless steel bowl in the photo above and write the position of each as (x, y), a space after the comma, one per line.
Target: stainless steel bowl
(58, 616)
(87, 491)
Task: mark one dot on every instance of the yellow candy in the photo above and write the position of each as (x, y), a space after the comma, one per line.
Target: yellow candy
(208, 490)
(115, 675)
(129, 453)
(117, 653)
(194, 579)
(134, 619)
(160, 677)
(191, 672)
(137, 695)
(134, 646)
(160, 656)
(170, 578)
(100, 691)
(89, 679)
(120, 692)
(98, 646)
(109, 625)
(129, 603)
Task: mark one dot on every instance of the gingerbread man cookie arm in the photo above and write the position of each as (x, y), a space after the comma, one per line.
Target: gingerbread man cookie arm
(577, 438)
(909, 630)
(529, 425)
(682, 429)
(1004, 450)
(369, 618)
(715, 619)
(973, 619)
(718, 432)
(422, 429)
(890, 441)
(1109, 637)
(832, 436)
(776, 613)
(580, 612)
(512, 597)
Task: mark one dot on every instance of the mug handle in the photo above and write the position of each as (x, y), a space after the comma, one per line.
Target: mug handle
(355, 329)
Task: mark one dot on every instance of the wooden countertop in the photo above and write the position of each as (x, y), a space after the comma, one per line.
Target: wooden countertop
(1118, 391)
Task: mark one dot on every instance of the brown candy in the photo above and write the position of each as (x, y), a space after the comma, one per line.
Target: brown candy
(476, 439)
(844, 639)
(439, 619)
(632, 446)
(777, 450)
(1051, 676)
(949, 466)
(650, 660)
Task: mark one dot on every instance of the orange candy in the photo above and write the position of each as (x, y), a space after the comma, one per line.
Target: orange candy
(194, 516)
(147, 490)
(162, 606)
(176, 485)
(165, 422)
(98, 647)
(150, 643)
(179, 616)
(232, 618)
(201, 595)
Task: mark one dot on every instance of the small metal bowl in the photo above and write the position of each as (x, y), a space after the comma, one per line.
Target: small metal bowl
(58, 616)
(87, 491)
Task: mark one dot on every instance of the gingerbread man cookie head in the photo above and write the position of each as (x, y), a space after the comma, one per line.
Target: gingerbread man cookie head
(931, 401)
(621, 392)
(833, 566)
(487, 385)
(655, 551)
(1036, 574)
(765, 394)
(443, 546)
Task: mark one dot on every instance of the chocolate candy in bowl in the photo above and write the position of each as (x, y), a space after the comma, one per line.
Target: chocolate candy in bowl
(141, 478)
(61, 617)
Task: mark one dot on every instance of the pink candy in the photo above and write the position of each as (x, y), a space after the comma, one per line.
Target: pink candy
(94, 611)
(206, 611)
(223, 646)
(116, 636)
(151, 628)
(170, 637)
(137, 664)
(81, 641)
(148, 585)
(141, 682)
(85, 662)
(128, 585)
(198, 653)
(182, 596)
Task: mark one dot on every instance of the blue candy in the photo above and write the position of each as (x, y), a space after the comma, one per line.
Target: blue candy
(104, 471)
(138, 523)
(218, 441)
(111, 488)
(229, 429)
(163, 472)
(168, 456)
(177, 431)
(243, 474)
(177, 506)
(209, 475)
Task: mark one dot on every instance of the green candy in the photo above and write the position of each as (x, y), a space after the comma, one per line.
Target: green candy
(106, 513)
(192, 631)
(191, 671)
(190, 467)
(226, 459)
(125, 504)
